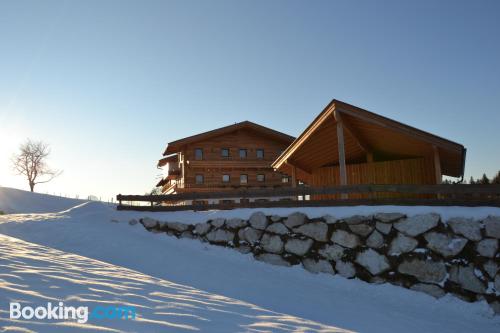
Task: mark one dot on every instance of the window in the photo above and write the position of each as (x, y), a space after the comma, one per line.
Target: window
(224, 152)
(199, 179)
(261, 178)
(285, 179)
(260, 153)
(243, 153)
(226, 178)
(243, 179)
(198, 154)
(244, 201)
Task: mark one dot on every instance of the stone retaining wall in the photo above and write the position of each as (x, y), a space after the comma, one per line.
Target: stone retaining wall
(459, 256)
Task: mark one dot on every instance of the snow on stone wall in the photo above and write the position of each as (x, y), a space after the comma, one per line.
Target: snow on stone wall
(424, 253)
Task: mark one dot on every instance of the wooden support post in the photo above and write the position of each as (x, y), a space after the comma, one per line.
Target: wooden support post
(369, 157)
(437, 168)
(370, 173)
(294, 176)
(437, 165)
(294, 180)
(341, 150)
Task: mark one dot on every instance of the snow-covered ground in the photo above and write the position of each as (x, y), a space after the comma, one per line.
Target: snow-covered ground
(79, 255)
(17, 201)
(36, 274)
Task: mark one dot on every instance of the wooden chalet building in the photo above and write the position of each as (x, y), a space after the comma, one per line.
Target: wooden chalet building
(347, 145)
(229, 158)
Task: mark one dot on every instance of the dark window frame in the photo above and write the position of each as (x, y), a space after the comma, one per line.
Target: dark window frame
(257, 153)
(228, 178)
(228, 152)
(243, 150)
(196, 150)
(263, 177)
(246, 178)
(202, 179)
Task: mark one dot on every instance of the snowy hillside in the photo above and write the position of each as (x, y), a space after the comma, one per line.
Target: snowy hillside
(17, 201)
(90, 255)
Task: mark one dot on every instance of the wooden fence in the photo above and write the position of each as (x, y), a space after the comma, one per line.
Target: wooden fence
(429, 195)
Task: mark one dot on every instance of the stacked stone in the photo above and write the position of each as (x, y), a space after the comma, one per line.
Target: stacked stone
(423, 253)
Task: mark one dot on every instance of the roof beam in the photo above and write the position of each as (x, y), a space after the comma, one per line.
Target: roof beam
(300, 174)
(365, 146)
(297, 165)
(304, 136)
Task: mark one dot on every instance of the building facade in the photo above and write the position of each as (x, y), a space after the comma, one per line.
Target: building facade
(234, 157)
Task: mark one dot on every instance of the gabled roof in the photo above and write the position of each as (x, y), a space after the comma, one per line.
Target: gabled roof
(175, 146)
(366, 131)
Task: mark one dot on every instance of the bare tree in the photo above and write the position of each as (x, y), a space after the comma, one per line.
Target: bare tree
(31, 161)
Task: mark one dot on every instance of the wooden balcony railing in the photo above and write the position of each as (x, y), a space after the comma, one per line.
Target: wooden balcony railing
(236, 158)
(174, 172)
(239, 186)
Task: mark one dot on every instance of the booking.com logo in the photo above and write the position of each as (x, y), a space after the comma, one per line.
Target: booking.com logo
(61, 312)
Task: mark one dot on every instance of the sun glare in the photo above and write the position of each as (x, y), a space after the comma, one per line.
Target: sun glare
(10, 139)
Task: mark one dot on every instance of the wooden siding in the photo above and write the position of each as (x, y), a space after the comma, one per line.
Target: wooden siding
(213, 177)
(214, 165)
(234, 141)
(408, 171)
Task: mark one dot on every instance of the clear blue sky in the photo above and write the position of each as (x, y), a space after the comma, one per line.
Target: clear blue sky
(109, 83)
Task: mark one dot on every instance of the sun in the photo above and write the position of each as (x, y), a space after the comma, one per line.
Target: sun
(10, 138)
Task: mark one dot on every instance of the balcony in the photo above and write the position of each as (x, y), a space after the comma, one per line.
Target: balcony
(237, 186)
(174, 172)
(169, 159)
(235, 163)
